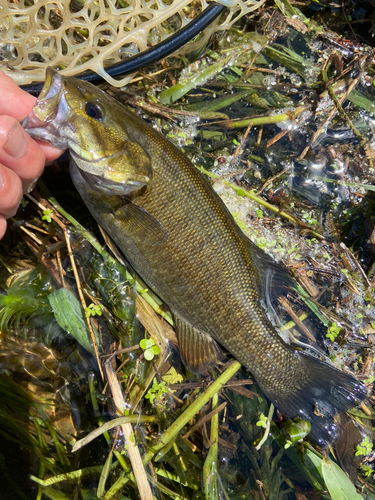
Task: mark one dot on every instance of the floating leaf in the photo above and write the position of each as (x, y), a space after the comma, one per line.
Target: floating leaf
(146, 343)
(149, 355)
(150, 349)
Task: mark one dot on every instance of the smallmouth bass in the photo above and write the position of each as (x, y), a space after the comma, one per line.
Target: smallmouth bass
(178, 235)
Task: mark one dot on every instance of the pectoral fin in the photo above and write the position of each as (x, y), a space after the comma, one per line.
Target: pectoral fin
(198, 350)
(141, 224)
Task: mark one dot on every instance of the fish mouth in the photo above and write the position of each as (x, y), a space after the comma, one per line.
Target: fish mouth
(110, 188)
(52, 86)
(49, 113)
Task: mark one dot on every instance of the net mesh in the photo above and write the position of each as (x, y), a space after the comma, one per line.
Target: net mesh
(76, 35)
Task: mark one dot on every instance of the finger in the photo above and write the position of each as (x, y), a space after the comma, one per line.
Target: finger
(17, 103)
(3, 226)
(10, 191)
(13, 100)
(51, 153)
(20, 153)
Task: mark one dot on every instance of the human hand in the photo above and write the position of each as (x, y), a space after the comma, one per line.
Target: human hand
(22, 159)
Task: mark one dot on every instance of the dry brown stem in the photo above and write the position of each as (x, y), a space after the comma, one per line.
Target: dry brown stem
(133, 451)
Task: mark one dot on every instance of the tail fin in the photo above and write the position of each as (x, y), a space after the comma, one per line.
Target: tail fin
(325, 392)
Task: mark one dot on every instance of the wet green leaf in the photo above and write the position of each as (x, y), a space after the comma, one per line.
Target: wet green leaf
(155, 350)
(311, 465)
(359, 99)
(104, 475)
(289, 10)
(47, 215)
(296, 429)
(338, 484)
(69, 315)
(54, 494)
(150, 349)
(194, 79)
(214, 135)
(149, 355)
(146, 343)
(356, 185)
(172, 377)
(217, 103)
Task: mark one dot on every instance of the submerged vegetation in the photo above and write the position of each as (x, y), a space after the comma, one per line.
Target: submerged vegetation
(95, 403)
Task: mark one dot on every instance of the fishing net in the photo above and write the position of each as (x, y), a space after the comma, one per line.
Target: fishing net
(77, 35)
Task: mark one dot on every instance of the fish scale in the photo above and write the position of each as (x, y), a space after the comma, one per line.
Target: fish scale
(176, 232)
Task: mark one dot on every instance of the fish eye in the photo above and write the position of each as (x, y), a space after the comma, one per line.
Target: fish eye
(94, 111)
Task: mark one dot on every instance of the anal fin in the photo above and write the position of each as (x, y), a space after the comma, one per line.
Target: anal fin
(198, 350)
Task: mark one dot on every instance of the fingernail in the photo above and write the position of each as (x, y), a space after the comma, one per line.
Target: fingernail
(16, 144)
